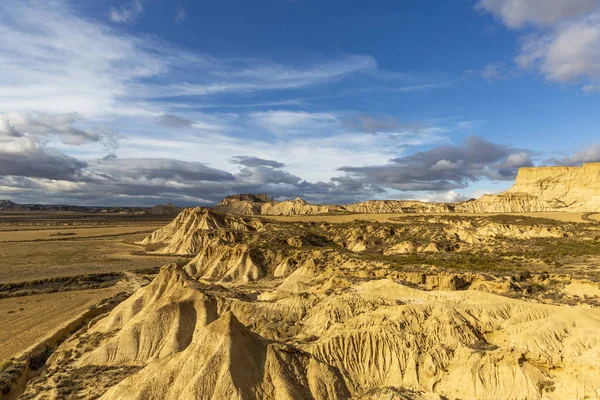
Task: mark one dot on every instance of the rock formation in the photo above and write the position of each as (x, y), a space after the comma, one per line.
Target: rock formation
(536, 189)
(422, 307)
(575, 189)
(195, 228)
(177, 339)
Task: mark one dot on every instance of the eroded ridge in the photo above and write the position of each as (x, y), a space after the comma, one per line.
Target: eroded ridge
(421, 307)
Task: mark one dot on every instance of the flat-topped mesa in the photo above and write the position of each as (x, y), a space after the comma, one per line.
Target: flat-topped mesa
(262, 204)
(574, 189)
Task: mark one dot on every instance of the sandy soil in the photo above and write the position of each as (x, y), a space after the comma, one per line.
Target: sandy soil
(559, 216)
(26, 321)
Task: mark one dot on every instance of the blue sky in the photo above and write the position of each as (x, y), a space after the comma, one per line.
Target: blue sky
(137, 102)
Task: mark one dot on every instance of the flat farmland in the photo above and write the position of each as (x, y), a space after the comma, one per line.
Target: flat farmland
(28, 320)
(40, 246)
(26, 235)
(37, 248)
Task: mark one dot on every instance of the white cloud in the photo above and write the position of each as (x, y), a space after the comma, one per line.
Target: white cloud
(481, 192)
(284, 123)
(494, 71)
(516, 13)
(67, 80)
(569, 52)
(591, 88)
(42, 124)
(590, 154)
(566, 45)
(56, 61)
(517, 160)
(127, 13)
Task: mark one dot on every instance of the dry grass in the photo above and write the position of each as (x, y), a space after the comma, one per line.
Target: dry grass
(27, 261)
(32, 249)
(558, 216)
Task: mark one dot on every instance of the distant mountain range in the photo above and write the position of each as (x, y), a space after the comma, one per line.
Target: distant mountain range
(160, 209)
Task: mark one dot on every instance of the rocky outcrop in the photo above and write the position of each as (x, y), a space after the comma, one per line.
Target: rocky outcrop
(255, 198)
(571, 188)
(246, 206)
(265, 312)
(575, 189)
(225, 360)
(221, 262)
(536, 189)
(375, 337)
(397, 207)
(504, 203)
(173, 343)
(194, 228)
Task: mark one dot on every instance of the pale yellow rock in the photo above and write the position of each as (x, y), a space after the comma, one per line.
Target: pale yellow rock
(400, 248)
(430, 248)
(227, 361)
(194, 228)
(575, 189)
(226, 263)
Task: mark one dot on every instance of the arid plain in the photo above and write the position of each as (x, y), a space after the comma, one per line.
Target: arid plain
(49, 259)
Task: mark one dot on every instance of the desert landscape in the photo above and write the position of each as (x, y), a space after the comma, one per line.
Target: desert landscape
(299, 200)
(255, 298)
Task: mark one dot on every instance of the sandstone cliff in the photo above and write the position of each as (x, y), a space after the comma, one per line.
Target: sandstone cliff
(536, 189)
(574, 189)
(571, 188)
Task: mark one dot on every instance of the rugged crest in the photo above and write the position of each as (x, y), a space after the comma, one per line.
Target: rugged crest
(536, 189)
(419, 307)
(194, 228)
(179, 339)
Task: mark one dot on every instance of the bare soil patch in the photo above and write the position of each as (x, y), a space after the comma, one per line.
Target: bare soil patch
(28, 320)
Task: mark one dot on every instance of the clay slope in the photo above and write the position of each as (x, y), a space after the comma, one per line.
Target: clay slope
(244, 205)
(225, 263)
(172, 343)
(194, 228)
(376, 339)
(227, 361)
(507, 202)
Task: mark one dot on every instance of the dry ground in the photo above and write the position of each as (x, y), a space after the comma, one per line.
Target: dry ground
(72, 233)
(27, 320)
(102, 243)
(32, 249)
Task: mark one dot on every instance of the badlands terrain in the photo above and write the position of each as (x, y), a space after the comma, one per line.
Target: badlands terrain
(495, 298)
